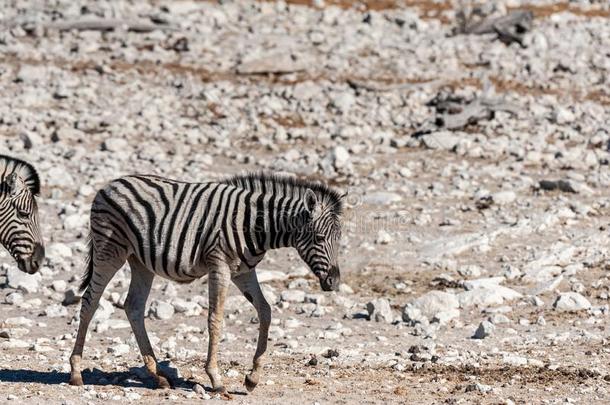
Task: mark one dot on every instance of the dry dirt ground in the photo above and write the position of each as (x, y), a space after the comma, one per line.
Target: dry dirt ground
(564, 358)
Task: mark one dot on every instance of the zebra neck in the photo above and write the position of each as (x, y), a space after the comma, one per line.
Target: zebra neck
(276, 225)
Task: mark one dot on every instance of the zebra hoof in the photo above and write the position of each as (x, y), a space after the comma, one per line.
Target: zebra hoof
(163, 382)
(251, 382)
(222, 391)
(76, 380)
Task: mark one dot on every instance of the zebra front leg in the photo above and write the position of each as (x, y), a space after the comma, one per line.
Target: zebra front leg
(218, 283)
(139, 289)
(90, 302)
(249, 286)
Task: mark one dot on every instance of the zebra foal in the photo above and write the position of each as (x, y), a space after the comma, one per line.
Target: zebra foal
(184, 231)
(19, 228)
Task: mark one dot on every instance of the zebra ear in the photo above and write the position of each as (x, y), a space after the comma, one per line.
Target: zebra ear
(15, 184)
(311, 201)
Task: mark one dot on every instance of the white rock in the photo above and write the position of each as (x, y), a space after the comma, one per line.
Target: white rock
(446, 140)
(469, 271)
(293, 296)
(564, 116)
(22, 281)
(161, 309)
(381, 198)
(56, 311)
(59, 250)
(571, 301)
(340, 157)
(485, 329)
(14, 298)
(115, 145)
(265, 276)
(59, 177)
(504, 197)
(380, 310)
(383, 238)
(490, 282)
(548, 286)
(344, 101)
(59, 285)
(437, 305)
(483, 297)
(232, 373)
(19, 321)
(119, 349)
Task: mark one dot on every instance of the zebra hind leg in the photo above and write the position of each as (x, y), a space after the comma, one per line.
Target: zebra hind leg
(101, 276)
(250, 288)
(139, 289)
(218, 282)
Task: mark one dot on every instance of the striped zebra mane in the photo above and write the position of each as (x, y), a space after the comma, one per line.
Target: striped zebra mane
(258, 181)
(26, 171)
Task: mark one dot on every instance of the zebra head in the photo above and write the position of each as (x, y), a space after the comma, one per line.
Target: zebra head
(19, 229)
(318, 241)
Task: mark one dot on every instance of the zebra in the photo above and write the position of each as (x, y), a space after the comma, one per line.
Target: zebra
(19, 228)
(183, 231)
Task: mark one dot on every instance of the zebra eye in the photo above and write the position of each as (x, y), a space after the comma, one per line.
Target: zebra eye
(23, 214)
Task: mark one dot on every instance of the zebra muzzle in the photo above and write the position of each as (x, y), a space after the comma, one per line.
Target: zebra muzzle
(31, 264)
(329, 281)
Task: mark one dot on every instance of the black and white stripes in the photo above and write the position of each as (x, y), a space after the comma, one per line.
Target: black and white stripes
(175, 228)
(19, 228)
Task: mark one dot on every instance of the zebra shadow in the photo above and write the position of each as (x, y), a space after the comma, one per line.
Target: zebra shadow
(136, 377)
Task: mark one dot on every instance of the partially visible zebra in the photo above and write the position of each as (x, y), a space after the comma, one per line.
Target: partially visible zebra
(19, 229)
(183, 231)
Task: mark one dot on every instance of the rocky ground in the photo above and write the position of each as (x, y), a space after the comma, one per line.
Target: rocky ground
(475, 252)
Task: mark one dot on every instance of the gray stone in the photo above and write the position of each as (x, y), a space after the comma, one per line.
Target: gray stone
(70, 297)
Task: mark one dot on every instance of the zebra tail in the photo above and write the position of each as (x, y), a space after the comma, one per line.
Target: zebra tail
(89, 264)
